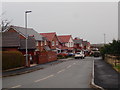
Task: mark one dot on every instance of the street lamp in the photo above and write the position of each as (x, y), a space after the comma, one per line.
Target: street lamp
(104, 38)
(26, 36)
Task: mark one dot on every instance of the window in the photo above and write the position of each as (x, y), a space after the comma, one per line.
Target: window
(52, 43)
(36, 43)
(69, 44)
(56, 42)
(41, 43)
(45, 42)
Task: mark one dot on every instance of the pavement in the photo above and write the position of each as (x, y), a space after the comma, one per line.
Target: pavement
(105, 76)
(32, 68)
(73, 73)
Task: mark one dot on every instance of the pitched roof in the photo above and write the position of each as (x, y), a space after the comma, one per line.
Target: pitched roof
(10, 39)
(64, 38)
(47, 48)
(31, 43)
(49, 36)
(85, 43)
(30, 32)
(78, 41)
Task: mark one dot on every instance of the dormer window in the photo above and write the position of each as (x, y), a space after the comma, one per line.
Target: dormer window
(53, 43)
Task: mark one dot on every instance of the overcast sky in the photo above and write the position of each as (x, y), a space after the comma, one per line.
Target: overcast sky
(87, 20)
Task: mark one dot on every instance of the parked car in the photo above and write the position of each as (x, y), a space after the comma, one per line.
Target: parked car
(79, 55)
(63, 54)
(96, 54)
(71, 54)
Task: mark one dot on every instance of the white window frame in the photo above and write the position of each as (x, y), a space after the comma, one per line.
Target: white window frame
(37, 43)
(53, 43)
(41, 43)
(45, 42)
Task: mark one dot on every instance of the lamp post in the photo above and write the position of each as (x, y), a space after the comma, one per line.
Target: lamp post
(26, 36)
(104, 38)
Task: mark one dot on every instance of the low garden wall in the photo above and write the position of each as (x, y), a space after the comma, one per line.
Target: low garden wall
(114, 61)
(47, 56)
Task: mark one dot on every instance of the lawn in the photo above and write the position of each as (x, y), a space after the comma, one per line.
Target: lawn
(117, 67)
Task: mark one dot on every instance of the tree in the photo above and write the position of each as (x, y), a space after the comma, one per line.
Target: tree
(4, 22)
(111, 48)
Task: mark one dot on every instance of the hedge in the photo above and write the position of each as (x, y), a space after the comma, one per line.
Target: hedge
(12, 59)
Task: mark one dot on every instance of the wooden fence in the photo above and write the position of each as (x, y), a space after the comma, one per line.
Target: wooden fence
(113, 60)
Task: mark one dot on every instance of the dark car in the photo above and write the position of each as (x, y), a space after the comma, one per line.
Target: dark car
(96, 54)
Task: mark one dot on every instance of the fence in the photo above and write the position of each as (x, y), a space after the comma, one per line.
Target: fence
(114, 61)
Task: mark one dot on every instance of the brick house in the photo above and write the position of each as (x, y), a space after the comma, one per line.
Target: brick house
(52, 41)
(67, 43)
(78, 44)
(40, 41)
(11, 41)
(86, 45)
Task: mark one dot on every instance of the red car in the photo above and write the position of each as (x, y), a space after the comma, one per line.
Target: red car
(63, 54)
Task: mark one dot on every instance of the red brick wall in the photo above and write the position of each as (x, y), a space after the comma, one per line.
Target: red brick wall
(48, 56)
(10, 49)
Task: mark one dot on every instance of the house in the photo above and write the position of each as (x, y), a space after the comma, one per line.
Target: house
(40, 41)
(86, 45)
(67, 43)
(78, 44)
(52, 41)
(11, 41)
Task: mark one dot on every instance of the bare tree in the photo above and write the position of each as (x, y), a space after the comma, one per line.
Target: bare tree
(4, 22)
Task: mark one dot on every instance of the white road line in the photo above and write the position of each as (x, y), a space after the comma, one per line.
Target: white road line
(44, 78)
(69, 66)
(16, 86)
(61, 71)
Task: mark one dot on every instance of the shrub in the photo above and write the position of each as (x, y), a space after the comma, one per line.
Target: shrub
(12, 59)
(111, 48)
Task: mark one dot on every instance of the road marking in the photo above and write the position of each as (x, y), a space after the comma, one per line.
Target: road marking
(69, 66)
(16, 86)
(44, 78)
(61, 71)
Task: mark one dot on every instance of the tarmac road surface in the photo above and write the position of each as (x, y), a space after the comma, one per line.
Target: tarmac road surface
(71, 74)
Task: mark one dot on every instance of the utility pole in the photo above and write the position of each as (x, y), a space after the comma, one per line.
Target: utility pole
(104, 38)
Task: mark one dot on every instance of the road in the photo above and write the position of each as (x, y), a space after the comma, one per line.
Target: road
(69, 74)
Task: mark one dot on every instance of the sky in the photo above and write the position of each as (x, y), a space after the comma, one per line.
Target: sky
(86, 20)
